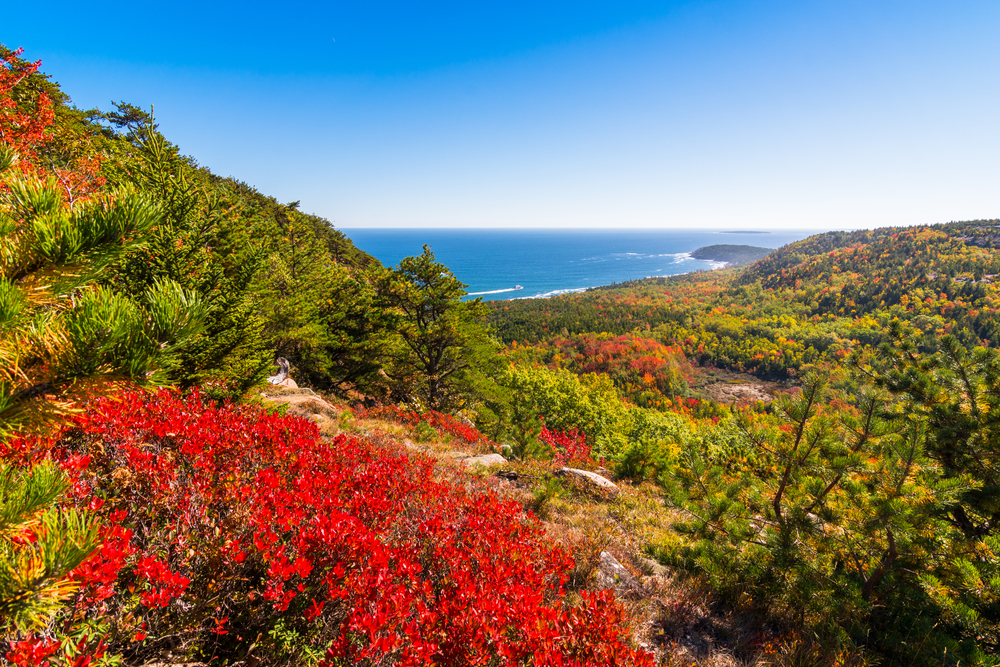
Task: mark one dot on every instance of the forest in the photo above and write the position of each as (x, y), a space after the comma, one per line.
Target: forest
(805, 450)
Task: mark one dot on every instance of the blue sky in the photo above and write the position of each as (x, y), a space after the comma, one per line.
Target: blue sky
(808, 114)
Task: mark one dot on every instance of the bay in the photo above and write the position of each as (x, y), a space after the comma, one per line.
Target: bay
(540, 263)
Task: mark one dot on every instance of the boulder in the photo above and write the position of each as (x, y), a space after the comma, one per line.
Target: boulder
(652, 568)
(612, 575)
(592, 478)
(281, 378)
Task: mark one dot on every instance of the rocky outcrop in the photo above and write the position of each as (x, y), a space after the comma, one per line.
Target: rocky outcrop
(612, 575)
(592, 478)
(282, 377)
(739, 392)
(486, 460)
(309, 405)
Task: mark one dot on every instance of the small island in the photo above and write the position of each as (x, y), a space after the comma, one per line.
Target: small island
(734, 255)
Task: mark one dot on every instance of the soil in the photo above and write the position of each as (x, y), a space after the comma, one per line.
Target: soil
(732, 388)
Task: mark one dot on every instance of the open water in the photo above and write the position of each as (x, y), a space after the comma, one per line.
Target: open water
(519, 263)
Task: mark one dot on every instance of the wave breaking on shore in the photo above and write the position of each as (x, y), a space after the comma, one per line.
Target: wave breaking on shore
(546, 295)
(516, 288)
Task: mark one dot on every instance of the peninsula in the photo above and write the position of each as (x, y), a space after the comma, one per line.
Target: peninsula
(734, 255)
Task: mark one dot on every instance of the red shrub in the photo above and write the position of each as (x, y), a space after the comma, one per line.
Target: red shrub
(568, 446)
(23, 120)
(222, 523)
(438, 420)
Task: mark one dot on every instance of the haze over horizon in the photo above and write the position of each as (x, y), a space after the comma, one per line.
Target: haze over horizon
(721, 115)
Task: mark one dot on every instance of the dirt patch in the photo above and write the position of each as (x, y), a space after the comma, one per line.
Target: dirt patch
(739, 392)
(308, 404)
(731, 388)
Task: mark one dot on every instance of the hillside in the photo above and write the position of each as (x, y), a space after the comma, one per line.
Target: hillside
(153, 512)
(793, 462)
(895, 323)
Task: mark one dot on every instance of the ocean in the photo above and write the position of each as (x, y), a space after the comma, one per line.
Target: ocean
(533, 264)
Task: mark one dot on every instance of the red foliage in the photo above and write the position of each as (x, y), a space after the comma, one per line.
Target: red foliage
(80, 181)
(39, 652)
(222, 520)
(27, 123)
(32, 651)
(568, 446)
(644, 370)
(438, 420)
(23, 122)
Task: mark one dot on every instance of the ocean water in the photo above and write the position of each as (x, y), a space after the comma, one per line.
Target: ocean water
(519, 263)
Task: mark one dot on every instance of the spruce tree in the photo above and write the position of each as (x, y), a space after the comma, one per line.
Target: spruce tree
(199, 243)
(445, 349)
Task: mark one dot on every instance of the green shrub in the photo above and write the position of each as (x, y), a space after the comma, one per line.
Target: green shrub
(424, 432)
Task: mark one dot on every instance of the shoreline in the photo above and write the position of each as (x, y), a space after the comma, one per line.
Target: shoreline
(719, 265)
(721, 256)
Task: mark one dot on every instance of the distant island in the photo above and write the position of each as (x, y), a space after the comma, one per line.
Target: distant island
(735, 255)
(745, 232)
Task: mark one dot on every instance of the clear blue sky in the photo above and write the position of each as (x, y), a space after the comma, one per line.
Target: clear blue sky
(801, 114)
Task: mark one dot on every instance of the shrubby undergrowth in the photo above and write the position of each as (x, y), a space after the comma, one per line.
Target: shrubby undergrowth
(228, 532)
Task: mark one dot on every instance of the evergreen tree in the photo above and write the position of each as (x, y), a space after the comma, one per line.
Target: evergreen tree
(33, 572)
(321, 313)
(445, 350)
(956, 394)
(829, 513)
(957, 391)
(65, 337)
(201, 244)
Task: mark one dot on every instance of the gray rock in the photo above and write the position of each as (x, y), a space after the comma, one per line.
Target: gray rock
(612, 575)
(281, 378)
(486, 460)
(282, 372)
(592, 477)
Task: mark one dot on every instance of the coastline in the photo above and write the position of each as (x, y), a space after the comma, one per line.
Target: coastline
(717, 266)
(549, 263)
(720, 257)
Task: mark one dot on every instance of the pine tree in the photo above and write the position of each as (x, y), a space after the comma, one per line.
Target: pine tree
(64, 336)
(829, 512)
(39, 545)
(198, 243)
(955, 392)
(445, 347)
